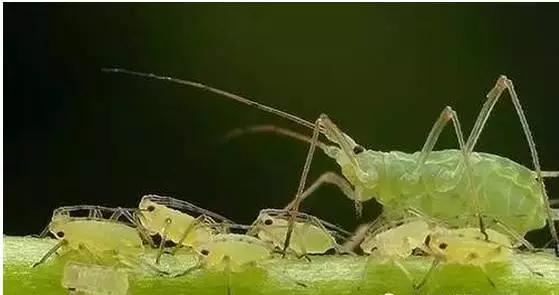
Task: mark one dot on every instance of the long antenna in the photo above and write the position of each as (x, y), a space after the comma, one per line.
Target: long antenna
(238, 98)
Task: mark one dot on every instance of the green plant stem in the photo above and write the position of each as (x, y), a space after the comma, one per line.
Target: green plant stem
(322, 275)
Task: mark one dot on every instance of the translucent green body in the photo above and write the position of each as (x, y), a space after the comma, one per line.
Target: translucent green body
(507, 190)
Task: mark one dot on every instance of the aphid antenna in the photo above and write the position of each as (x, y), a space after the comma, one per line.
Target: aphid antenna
(220, 92)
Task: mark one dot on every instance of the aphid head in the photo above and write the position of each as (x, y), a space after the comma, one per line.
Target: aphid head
(57, 226)
(358, 164)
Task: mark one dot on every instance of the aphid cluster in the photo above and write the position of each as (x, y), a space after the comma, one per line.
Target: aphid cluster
(454, 206)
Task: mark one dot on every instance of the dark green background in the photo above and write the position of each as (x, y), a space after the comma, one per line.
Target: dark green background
(75, 135)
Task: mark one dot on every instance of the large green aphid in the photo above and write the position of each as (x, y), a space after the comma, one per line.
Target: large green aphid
(310, 234)
(82, 278)
(178, 221)
(102, 235)
(442, 184)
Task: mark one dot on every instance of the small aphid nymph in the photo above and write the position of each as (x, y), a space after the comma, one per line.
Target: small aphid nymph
(81, 278)
(310, 234)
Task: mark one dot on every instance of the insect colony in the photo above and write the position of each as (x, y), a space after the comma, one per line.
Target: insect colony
(454, 206)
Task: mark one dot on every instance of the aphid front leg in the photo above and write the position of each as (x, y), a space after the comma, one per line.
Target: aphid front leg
(329, 177)
(492, 97)
(297, 201)
(50, 252)
(449, 115)
(427, 275)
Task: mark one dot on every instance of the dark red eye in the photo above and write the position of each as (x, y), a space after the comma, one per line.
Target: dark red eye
(150, 208)
(268, 222)
(205, 252)
(443, 246)
(358, 149)
(60, 234)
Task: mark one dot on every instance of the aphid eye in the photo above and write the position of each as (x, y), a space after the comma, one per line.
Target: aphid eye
(427, 240)
(150, 208)
(358, 149)
(205, 252)
(268, 222)
(443, 246)
(60, 234)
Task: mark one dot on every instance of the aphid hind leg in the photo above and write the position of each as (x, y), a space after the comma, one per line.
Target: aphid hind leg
(50, 252)
(492, 97)
(297, 201)
(449, 115)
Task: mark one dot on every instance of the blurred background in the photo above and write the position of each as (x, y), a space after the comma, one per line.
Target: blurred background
(383, 72)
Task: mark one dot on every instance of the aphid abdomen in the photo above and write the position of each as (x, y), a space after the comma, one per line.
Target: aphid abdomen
(507, 191)
(102, 236)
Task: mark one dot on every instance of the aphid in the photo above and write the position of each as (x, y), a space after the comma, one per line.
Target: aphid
(81, 278)
(310, 234)
(467, 246)
(103, 240)
(443, 184)
(400, 241)
(177, 221)
(233, 253)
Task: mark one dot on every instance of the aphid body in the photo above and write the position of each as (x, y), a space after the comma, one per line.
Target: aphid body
(468, 246)
(310, 234)
(94, 279)
(400, 241)
(163, 215)
(233, 251)
(440, 189)
(98, 237)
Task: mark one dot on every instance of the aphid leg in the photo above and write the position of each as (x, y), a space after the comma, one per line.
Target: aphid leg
(227, 261)
(404, 270)
(141, 229)
(492, 97)
(50, 252)
(326, 178)
(426, 277)
(187, 231)
(297, 201)
(270, 129)
(448, 114)
(294, 281)
(487, 276)
(164, 231)
(359, 283)
(339, 249)
(514, 234)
